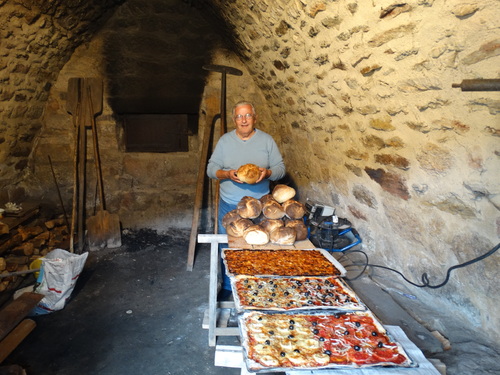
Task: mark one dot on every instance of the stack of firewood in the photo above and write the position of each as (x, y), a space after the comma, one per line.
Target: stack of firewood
(25, 245)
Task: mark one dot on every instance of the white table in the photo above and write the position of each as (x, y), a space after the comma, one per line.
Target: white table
(214, 306)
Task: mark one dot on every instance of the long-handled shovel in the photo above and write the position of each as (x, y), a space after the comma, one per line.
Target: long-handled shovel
(103, 228)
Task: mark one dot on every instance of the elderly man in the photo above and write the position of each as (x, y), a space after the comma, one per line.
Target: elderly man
(244, 145)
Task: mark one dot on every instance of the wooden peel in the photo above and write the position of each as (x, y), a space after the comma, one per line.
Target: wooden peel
(211, 108)
(103, 228)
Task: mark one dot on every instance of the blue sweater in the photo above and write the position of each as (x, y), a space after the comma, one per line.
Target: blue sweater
(231, 152)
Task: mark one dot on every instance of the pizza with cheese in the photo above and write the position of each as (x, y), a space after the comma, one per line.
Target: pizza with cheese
(279, 263)
(309, 341)
(287, 293)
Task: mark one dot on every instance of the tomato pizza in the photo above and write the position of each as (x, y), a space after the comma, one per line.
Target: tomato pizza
(288, 293)
(279, 262)
(301, 341)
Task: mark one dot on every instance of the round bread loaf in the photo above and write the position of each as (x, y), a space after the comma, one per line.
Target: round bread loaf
(300, 228)
(249, 207)
(248, 173)
(255, 235)
(282, 193)
(273, 210)
(266, 198)
(283, 236)
(294, 209)
(271, 224)
(230, 217)
(238, 227)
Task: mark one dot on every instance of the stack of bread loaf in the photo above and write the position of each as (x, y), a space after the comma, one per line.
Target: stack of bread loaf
(275, 218)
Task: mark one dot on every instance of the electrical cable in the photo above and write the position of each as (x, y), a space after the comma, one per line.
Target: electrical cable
(425, 277)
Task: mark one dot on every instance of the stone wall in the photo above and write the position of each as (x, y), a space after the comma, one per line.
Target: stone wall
(362, 97)
(37, 40)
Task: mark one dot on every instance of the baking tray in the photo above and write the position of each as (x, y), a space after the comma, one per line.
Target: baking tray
(275, 293)
(275, 258)
(287, 341)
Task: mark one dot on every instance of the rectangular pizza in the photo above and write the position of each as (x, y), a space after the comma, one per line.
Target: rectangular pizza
(282, 262)
(293, 293)
(281, 341)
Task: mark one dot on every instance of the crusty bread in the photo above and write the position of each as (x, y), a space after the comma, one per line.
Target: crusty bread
(294, 209)
(248, 173)
(283, 193)
(273, 210)
(271, 224)
(266, 198)
(255, 235)
(238, 227)
(300, 228)
(249, 207)
(230, 217)
(283, 236)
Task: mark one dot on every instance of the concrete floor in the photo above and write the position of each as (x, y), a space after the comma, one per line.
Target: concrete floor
(136, 310)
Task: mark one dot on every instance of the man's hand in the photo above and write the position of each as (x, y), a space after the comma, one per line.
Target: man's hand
(228, 175)
(264, 173)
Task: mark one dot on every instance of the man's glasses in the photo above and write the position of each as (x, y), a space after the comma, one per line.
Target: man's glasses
(247, 116)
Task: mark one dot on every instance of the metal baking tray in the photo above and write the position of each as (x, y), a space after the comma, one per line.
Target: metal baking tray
(276, 257)
(283, 341)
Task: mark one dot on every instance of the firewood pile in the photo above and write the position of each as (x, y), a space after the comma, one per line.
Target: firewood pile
(25, 244)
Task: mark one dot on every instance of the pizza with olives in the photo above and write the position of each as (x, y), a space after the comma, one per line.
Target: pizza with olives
(309, 341)
(287, 293)
(280, 262)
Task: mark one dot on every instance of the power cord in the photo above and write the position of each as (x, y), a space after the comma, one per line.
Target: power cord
(425, 277)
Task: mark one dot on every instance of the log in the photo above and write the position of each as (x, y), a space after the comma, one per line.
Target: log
(13, 259)
(29, 232)
(11, 242)
(26, 248)
(4, 228)
(55, 223)
(3, 264)
(15, 337)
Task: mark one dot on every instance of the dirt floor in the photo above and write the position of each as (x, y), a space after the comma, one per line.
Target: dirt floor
(136, 310)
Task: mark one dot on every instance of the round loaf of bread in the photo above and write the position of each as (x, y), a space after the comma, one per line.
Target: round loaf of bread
(282, 193)
(294, 209)
(266, 198)
(283, 236)
(271, 224)
(248, 173)
(230, 217)
(300, 228)
(273, 210)
(255, 235)
(249, 207)
(238, 227)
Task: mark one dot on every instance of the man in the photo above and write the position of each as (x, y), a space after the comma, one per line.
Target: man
(243, 145)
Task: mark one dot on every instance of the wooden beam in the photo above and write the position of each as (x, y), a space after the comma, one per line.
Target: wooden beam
(15, 311)
(15, 337)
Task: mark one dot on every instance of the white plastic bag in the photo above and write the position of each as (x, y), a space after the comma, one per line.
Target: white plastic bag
(58, 275)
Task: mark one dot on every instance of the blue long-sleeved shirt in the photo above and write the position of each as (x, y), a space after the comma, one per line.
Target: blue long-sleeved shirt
(231, 152)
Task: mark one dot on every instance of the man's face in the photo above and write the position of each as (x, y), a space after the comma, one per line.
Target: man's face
(244, 120)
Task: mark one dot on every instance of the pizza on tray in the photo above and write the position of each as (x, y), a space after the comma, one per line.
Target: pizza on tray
(278, 293)
(308, 341)
(279, 263)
